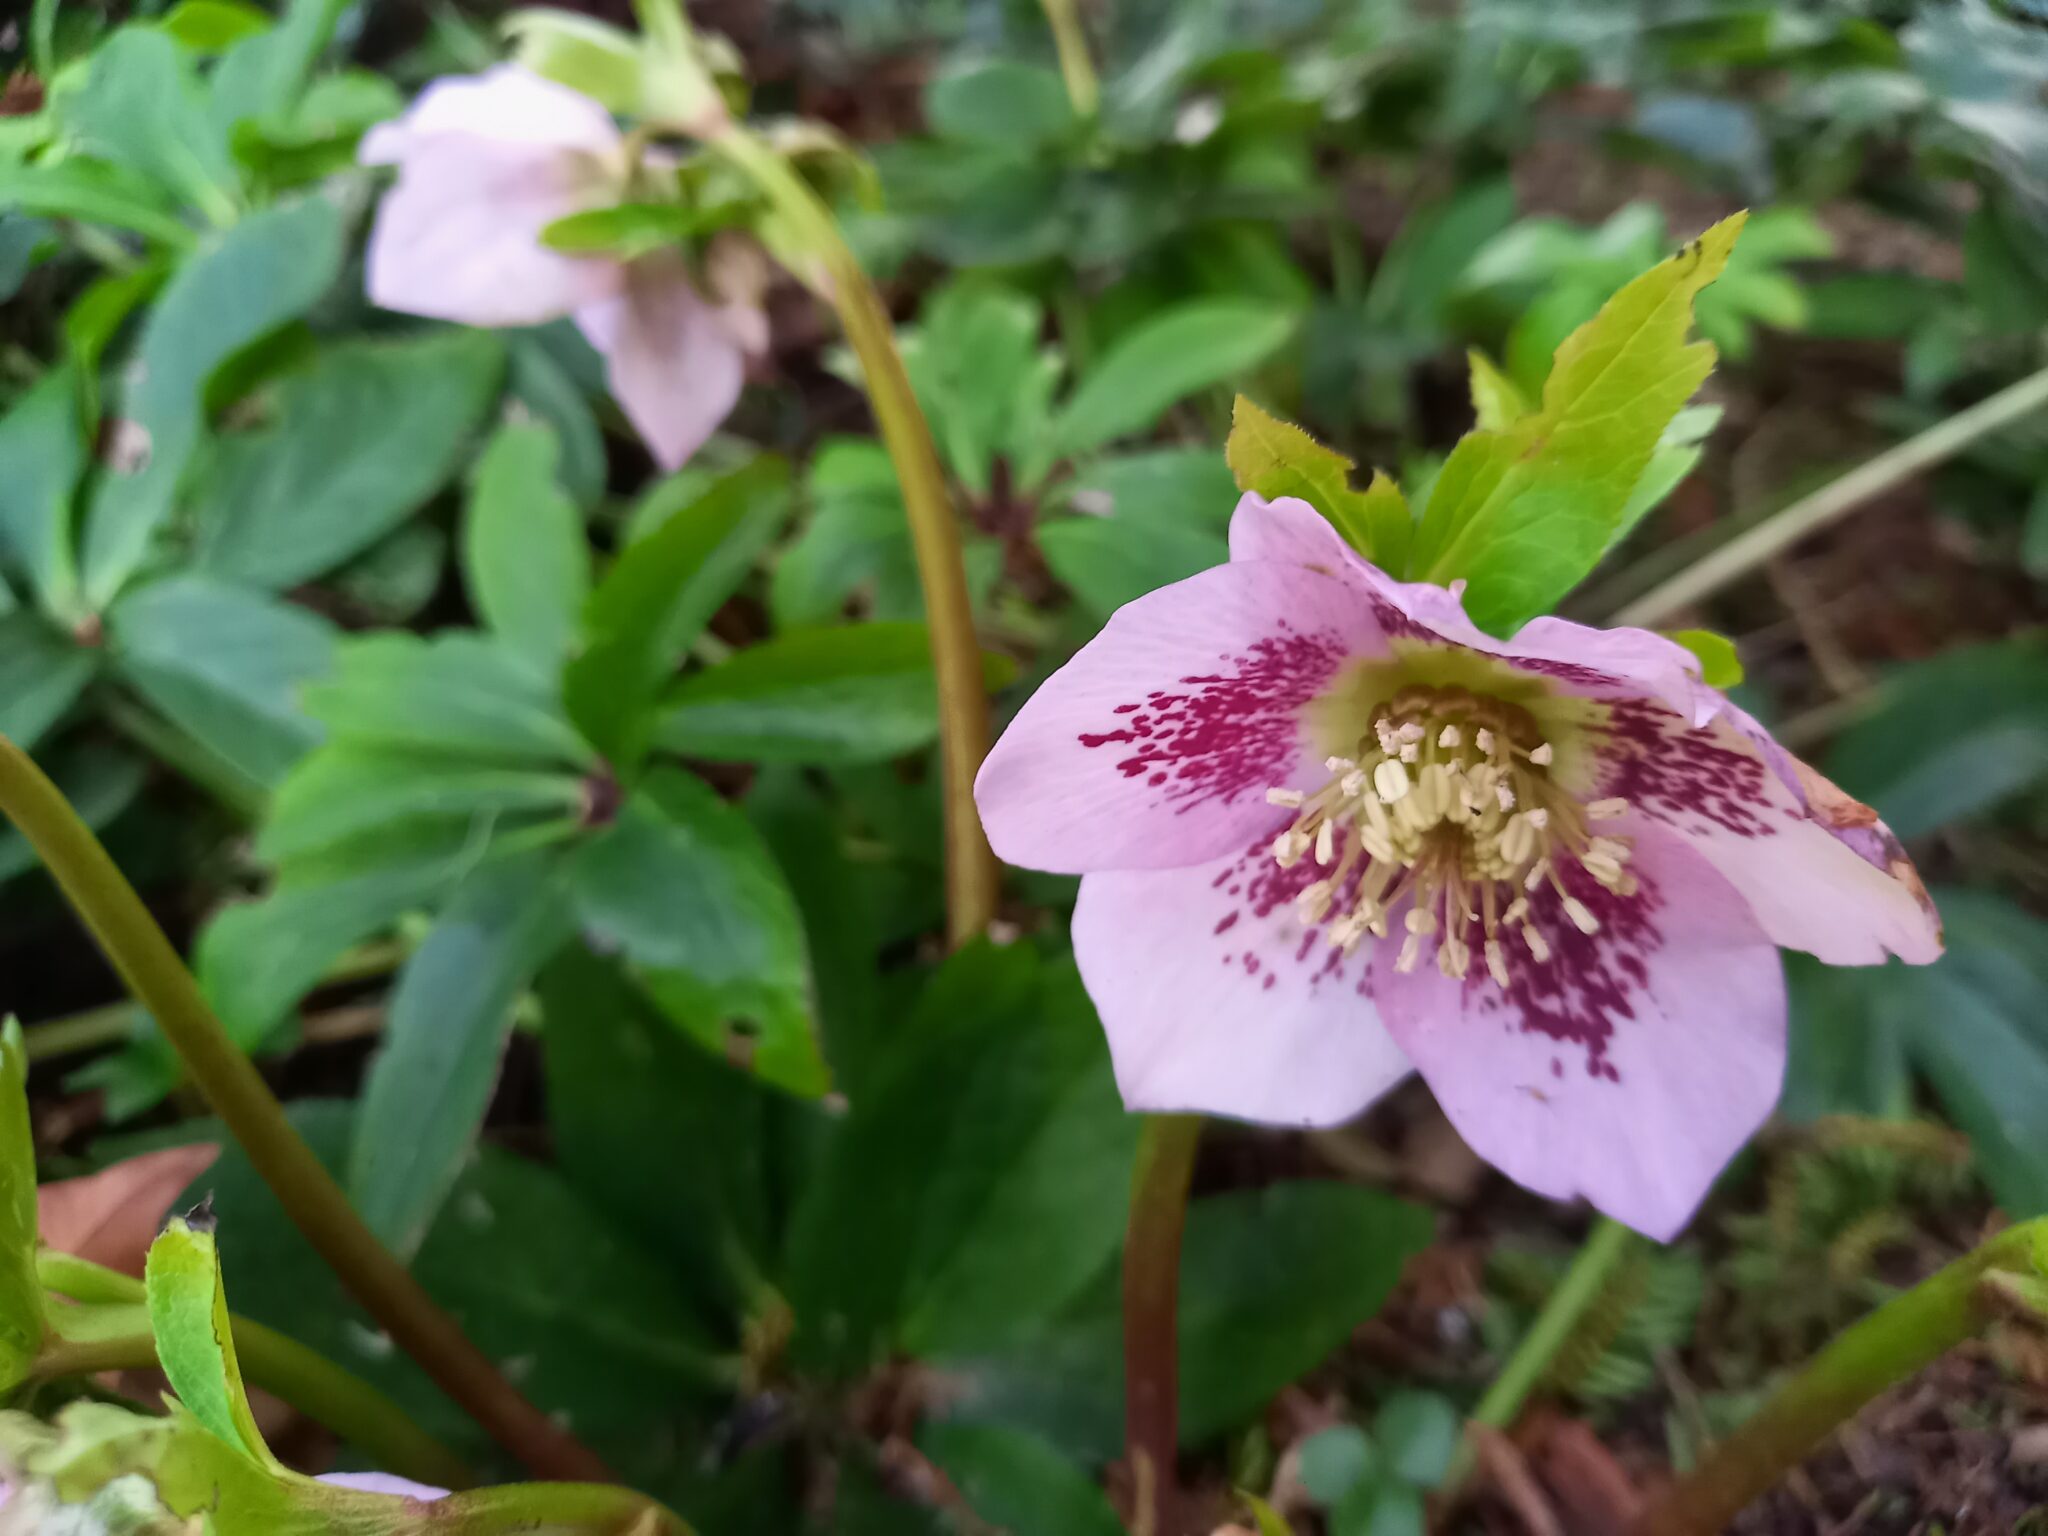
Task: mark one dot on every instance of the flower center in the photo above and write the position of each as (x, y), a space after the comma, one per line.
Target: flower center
(1448, 805)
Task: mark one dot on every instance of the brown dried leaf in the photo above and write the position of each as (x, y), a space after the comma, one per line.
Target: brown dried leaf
(112, 1216)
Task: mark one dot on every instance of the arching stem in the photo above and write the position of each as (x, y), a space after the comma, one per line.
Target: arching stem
(1152, 1244)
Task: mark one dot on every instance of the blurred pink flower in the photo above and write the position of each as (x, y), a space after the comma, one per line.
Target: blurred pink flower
(1331, 832)
(485, 164)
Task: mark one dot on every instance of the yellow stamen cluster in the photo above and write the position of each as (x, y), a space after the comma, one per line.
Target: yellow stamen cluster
(1449, 798)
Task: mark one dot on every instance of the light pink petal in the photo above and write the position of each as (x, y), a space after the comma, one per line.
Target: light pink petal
(383, 1482)
(1288, 529)
(1217, 999)
(1609, 663)
(1633, 1065)
(506, 104)
(673, 363)
(1155, 746)
(1737, 798)
(458, 237)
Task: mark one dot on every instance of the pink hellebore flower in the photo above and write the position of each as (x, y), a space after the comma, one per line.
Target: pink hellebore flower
(485, 163)
(383, 1482)
(1331, 832)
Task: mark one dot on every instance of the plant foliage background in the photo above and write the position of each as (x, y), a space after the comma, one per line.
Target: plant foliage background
(563, 838)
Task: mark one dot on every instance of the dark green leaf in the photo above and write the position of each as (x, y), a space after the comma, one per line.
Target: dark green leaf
(447, 1020)
(353, 444)
(100, 781)
(457, 694)
(256, 960)
(265, 74)
(983, 378)
(999, 102)
(524, 556)
(1018, 1483)
(226, 664)
(41, 676)
(654, 1132)
(684, 887)
(1950, 737)
(1195, 346)
(858, 540)
(264, 271)
(657, 598)
(95, 193)
(1384, 1509)
(1334, 1461)
(1418, 1434)
(548, 389)
(1185, 487)
(346, 790)
(980, 1180)
(856, 694)
(141, 106)
(44, 451)
(1107, 562)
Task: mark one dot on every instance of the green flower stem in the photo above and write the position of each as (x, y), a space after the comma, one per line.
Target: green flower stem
(1774, 534)
(1159, 1209)
(1898, 1339)
(1568, 1302)
(971, 873)
(152, 971)
(1076, 67)
(601, 1509)
(120, 1339)
(1604, 1248)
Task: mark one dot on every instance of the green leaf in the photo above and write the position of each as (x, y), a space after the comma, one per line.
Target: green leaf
(448, 1018)
(94, 192)
(141, 105)
(99, 780)
(1272, 1281)
(1267, 1518)
(1018, 1483)
(656, 600)
(1720, 665)
(1107, 562)
(980, 1180)
(524, 556)
(1522, 514)
(188, 1313)
(999, 102)
(2034, 540)
(596, 1330)
(1387, 1509)
(627, 230)
(213, 26)
(859, 693)
(858, 541)
(1496, 402)
(1418, 1433)
(1951, 736)
(257, 959)
(45, 453)
(21, 1294)
(1274, 458)
(226, 664)
(684, 887)
(542, 383)
(1677, 455)
(1184, 487)
(984, 379)
(1192, 347)
(1334, 1461)
(456, 694)
(666, 1140)
(268, 269)
(92, 322)
(353, 444)
(41, 676)
(266, 74)
(347, 790)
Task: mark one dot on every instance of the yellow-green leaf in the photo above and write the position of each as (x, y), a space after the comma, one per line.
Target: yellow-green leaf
(1720, 666)
(188, 1313)
(1496, 402)
(1524, 512)
(1274, 458)
(21, 1296)
(1270, 1521)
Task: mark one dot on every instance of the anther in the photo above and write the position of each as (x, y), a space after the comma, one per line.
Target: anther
(1606, 810)
(1411, 952)
(1410, 731)
(1290, 798)
(1483, 739)
(1538, 817)
(1539, 946)
(1497, 963)
(1313, 902)
(1542, 755)
(1450, 736)
(1391, 780)
(1517, 839)
(1581, 916)
(1288, 848)
(1326, 842)
(1338, 764)
(1505, 795)
(1419, 920)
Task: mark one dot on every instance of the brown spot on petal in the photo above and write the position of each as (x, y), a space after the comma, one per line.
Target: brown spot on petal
(1863, 830)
